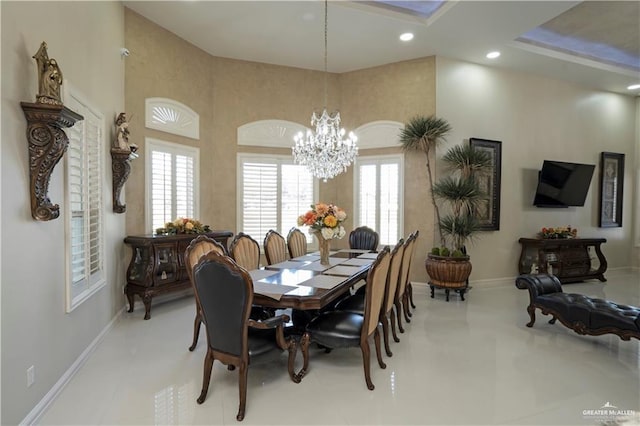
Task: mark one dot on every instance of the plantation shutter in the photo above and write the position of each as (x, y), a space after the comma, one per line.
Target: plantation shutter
(297, 196)
(379, 196)
(260, 199)
(85, 205)
(273, 192)
(173, 182)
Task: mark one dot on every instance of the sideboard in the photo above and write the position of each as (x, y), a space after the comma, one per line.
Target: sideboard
(569, 259)
(157, 265)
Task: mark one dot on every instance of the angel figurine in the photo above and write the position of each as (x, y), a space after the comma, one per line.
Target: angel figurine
(122, 138)
(49, 77)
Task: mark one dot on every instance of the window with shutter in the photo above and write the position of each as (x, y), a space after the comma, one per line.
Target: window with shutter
(378, 195)
(172, 171)
(84, 217)
(272, 193)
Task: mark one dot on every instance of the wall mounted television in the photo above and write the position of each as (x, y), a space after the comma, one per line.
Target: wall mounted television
(562, 184)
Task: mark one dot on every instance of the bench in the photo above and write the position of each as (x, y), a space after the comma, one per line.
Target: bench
(582, 314)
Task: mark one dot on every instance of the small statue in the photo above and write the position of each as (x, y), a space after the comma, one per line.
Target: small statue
(49, 77)
(122, 138)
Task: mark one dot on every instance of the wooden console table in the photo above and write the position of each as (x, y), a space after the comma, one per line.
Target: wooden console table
(157, 265)
(569, 259)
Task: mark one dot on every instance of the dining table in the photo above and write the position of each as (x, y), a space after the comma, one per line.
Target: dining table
(304, 283)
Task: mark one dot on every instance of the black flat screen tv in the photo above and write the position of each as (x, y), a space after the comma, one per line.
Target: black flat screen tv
(563, 184)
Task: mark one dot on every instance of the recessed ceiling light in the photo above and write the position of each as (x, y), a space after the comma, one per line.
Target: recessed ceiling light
(406, 36)
(493, 55)
(634, 87)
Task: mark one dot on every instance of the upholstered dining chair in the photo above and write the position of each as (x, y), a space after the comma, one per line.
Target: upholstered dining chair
(225, 292)
(296, 243)
(363, 238)
(409, 289)
(339, 329)
(245, 251)
(197, 248)
(356, 302)
(402, 296)
(275, 248)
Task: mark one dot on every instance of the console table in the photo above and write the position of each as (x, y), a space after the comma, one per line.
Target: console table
(568, 259)
(157, 265)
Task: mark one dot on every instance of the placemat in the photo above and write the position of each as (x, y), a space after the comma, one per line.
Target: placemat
(353, 251)
(287, 264)
(368, 256)
(343, 271)
(323, 281)
(273, 291)
(359, 261)
(306, 258)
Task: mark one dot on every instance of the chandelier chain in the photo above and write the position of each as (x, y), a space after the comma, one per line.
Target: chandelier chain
(326, 25)
(326, 151)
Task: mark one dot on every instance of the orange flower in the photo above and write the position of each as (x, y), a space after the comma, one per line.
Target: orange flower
(322, 209)
(330, 221)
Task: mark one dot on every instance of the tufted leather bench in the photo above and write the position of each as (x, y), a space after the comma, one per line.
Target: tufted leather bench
(582, 314)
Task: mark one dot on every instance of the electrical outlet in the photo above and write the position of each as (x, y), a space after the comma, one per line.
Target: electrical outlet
(31, 376)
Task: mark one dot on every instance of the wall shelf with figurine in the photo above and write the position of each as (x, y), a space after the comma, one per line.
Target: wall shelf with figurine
(122, 153)
(570, 259)
(47, 141)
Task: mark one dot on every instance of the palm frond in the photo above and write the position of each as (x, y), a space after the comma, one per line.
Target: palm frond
(467, 160)
(423, 133)
(459, 228)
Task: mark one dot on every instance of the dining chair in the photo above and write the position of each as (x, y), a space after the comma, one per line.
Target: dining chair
(197, 248)
(245, 251)
(402, 296)
(409, 286)
(340, 329)
(356, 302)
(225, 292)
(296, 243)
(275, 248)
(363, 238)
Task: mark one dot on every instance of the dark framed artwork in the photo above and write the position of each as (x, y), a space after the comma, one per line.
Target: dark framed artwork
(611, 189)
(488, 212)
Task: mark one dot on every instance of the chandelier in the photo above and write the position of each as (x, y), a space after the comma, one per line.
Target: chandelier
(325, 152)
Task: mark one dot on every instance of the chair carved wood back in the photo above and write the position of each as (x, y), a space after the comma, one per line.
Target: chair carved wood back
(376, 285)
(296, 243)
(395, 269)
(245, 251)
(275, 248)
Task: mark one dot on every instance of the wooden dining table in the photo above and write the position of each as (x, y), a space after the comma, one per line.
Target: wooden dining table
(303, 283)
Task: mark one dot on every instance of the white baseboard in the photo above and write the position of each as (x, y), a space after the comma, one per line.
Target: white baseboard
(37, 411)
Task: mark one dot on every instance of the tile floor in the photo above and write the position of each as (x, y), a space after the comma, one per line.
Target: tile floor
(458, 363)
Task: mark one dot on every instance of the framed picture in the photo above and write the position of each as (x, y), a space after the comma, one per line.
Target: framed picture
(611, 189)
(488, 212)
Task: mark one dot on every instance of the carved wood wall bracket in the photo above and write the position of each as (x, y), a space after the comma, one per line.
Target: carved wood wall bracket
(121, 167)
(47, 144)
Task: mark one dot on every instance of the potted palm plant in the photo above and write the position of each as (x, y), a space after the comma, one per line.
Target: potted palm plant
(449, 266)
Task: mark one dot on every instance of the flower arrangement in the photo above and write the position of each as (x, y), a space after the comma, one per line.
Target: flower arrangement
(558, 232)
(325, 219)
(183, 225)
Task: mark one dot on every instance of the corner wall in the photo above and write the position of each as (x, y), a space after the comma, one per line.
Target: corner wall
(85, 38)
(538, 118)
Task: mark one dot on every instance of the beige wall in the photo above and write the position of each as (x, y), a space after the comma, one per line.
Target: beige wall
(538, 118)
(85, 38)
(229, 93)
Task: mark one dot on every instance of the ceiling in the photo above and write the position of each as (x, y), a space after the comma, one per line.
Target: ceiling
(594, 43)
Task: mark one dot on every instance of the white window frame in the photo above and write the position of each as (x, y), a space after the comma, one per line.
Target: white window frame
(378, 160)
(278, 160)
(151, 145)
(92, 282)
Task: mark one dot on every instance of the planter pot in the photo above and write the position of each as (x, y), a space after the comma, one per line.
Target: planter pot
(448, 272)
